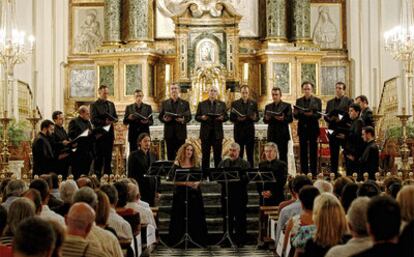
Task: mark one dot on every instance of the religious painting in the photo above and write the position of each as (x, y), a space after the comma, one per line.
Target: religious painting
(326, 25)
(329, 76)
(308, 73)
(133, 78)
(82, 81)
(87, 29)
(107, 77)
(206, 52)
(281, 76)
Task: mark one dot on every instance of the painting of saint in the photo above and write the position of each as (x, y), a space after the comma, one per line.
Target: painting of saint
(325, 32)
(206, 52)
(89, 35)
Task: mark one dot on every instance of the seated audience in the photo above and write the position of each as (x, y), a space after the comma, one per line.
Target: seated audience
(323, 186)
(339, 185)
(60, 238)
(330, 222)
(3, 219)
(119, 224)
(34, 237)
(67, 189)
(384, 220)
(292, 199)
(14, 189)
(43, 188)
(406, 240)
(405, 199)
(34, 196)
(349, 194)
(105, 240)
(53, 202)
(134, 202)
(79, 222)
(294, 208)
(301, 227)
(357, 224)
(368, 188)
(19, 210)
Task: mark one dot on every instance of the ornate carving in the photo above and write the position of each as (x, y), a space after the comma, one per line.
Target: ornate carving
(198, 8)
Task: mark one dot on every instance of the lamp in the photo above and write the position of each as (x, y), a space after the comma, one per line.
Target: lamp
(15, 47)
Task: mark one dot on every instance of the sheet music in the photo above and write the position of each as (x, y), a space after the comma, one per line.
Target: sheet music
(340, 116)
(238, 113)
(85, 133)
(107, 127)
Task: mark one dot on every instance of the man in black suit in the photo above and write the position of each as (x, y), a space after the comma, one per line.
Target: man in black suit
(244, 114)
(337, 118)
(43, 156)
(366, 112)
(278, 115)
(369, 160)
(307, 111)
(272, 193)
(211, 113)
(84, 153)
(354, 144)
(103, 114)
(138, 117)
(175, 114)
(61, 144)
(237, 195)
(139, 162)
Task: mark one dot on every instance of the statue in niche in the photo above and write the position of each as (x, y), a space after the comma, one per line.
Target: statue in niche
(90, 36)
(325, 32)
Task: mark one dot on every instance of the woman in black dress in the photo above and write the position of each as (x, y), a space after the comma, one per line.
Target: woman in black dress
(197, 227)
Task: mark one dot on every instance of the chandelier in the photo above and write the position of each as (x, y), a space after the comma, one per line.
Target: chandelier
(399, 41)
(15, 46)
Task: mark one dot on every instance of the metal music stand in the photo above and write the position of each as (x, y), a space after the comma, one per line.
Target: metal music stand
(187, 175)
(260, 176)
(156, 171)
(226, 176)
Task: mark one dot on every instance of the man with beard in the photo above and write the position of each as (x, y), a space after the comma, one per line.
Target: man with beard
(61, 144)
(354, 145)
(237, 195)
(43, 156)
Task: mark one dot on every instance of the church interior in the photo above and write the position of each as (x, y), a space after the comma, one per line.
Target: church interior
(206, 127)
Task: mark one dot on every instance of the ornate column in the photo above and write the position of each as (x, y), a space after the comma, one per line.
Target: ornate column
(112, 22)
(140, 22)
(301, 12)
(276, 20)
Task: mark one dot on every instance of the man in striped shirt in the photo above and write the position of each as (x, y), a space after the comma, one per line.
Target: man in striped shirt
(79, 222)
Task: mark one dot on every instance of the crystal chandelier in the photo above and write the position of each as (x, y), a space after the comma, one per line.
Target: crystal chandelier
(15, 46)
(399, 41)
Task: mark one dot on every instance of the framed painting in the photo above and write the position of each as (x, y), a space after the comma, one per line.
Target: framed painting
(82, 81)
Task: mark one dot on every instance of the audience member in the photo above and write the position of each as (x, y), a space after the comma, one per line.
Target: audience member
(368, 188)
(34, 195)
(79, 222)
(323, 186)
(60, 238)
(3, 219)
(67, 189)
(405, 199)
(330, 222)
(14, 189)
(145, 213)
(340, 184)
(34, 238)
(349, 194)
(406, 240)
(294, 208)
(384, 220)
(19, 210)
(43, 188)
(121, 226)
(357, 224)
(107, 241)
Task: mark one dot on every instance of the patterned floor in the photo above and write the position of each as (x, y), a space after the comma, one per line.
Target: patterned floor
(247, 251)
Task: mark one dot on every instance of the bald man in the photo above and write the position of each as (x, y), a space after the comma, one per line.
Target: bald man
(211, 113)
(82, 158)
(79, 222)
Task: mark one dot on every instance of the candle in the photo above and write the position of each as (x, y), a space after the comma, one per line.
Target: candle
(34, 91)
(245, 72)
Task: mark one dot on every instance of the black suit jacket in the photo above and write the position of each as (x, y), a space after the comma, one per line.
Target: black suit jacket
(58, 137)
(43, 157)
(354, 144)
(279, 170)
(244, 129)
(211, 124)
(76, 127)
(367, 117)
(174, 129)
(135, 126)
(342, 108)
(278, 131)
(308, 124)
(99, 112)
(369, 161)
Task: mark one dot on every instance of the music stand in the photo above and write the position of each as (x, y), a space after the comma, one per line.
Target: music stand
(260, 176)
(187, 175)
(157, 170)
(226, 175)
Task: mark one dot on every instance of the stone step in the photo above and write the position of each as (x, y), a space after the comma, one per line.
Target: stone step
(213, 224)
(214, 210)
(206, 187)
(208, 199)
